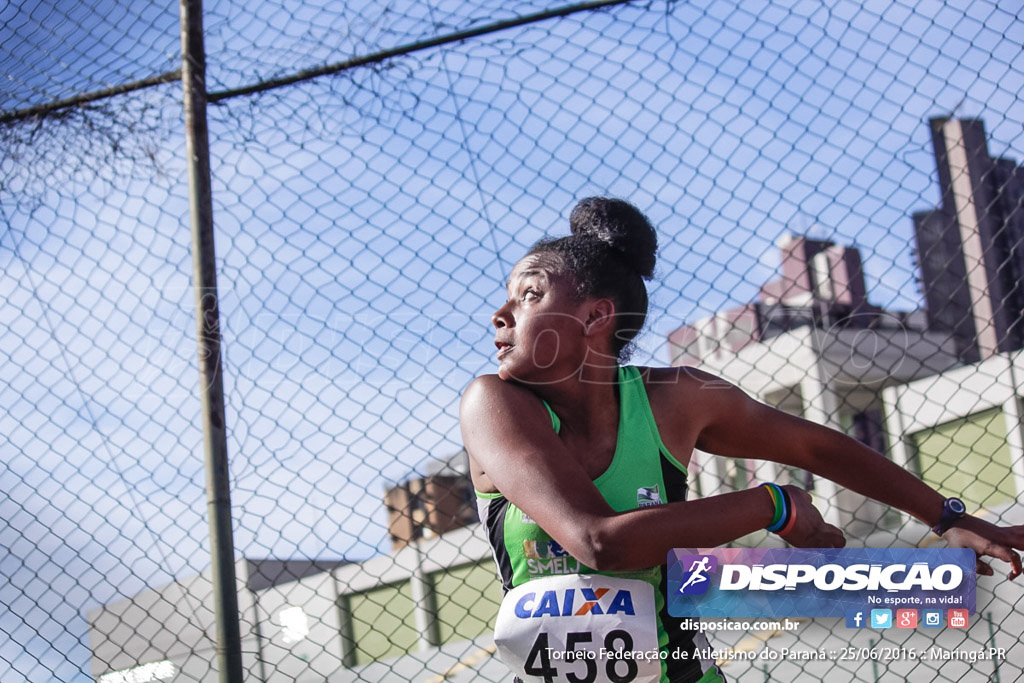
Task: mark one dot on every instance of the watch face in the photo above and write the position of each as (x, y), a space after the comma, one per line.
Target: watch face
(956, 506)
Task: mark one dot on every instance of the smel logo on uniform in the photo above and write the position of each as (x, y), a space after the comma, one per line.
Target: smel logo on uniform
(823, 582)
(543, 550)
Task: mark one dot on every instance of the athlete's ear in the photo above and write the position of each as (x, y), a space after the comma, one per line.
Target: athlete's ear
(600, 318)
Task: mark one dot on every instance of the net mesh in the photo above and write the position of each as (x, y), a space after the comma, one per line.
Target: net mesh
(378, 168)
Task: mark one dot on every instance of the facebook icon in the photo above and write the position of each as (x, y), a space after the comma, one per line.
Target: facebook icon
(855, 618)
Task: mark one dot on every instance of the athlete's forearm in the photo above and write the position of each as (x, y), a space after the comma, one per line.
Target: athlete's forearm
(642, 538)
(859, 468)
(738, 426)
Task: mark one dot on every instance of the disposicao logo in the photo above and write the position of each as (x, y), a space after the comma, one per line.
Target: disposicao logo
(831, 577)
(801, 582)
(695, 579)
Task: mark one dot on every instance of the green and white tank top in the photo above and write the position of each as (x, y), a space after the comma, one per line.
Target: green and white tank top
(642, 473)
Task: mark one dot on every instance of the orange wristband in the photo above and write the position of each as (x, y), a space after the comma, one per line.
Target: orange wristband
(789, 525)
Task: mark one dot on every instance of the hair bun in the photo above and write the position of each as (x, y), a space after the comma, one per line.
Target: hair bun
(621, 226)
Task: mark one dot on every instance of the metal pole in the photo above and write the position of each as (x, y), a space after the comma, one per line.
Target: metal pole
(424, 603)
(991, 644)
(211, 388)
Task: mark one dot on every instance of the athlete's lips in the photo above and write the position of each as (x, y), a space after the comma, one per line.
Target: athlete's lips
(502, 346)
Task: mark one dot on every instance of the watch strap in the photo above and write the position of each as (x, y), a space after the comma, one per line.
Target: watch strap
(953, 510)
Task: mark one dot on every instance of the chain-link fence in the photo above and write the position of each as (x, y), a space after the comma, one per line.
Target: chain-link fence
(839, 206)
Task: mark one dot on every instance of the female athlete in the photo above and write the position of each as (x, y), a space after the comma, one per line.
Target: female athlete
(579, 462)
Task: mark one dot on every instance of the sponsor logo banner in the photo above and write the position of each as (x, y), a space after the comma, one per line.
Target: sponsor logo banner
(543, 550)
(820, 582)
(647, 496)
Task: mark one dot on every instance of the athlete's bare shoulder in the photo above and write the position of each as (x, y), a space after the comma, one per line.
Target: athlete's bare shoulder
(497, 419)
(685, 401)
(492, 391)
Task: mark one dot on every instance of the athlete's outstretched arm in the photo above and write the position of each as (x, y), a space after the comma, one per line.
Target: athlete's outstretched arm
(737, 426)
(508, 435)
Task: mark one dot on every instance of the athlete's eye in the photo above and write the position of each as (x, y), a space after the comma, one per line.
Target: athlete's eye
(530, 294)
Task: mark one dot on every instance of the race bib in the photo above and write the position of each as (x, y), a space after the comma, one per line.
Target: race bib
(580, 628)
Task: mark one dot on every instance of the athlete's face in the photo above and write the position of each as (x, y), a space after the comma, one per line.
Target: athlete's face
(539, 330)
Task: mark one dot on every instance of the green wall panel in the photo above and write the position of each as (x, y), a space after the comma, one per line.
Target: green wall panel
(968, 458)
(467, 600)
(382, 622)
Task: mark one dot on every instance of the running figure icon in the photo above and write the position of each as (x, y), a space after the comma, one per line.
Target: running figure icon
(697, 571)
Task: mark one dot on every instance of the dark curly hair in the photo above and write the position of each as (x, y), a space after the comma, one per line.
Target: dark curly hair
(611, 251)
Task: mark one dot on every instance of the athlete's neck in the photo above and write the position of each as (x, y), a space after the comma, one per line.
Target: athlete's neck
(587, 400)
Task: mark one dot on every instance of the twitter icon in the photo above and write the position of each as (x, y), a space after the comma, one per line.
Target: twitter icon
(881, 618)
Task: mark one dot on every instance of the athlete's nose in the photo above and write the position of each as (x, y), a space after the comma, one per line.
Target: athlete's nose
(502, 317)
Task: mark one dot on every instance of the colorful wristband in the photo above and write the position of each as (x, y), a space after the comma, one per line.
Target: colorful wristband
(790, 524)
(782, 507)
(773, 493)
(789, 505)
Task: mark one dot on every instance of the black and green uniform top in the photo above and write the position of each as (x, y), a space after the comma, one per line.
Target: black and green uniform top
(642, 473)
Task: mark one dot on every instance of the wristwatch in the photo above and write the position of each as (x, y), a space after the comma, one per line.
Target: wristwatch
(953, 510)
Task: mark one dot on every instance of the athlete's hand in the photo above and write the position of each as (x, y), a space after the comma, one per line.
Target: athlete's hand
(810, 529)
(992, 541)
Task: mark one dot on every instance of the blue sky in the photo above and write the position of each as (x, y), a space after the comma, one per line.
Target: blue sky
(366, 223)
